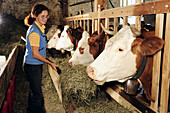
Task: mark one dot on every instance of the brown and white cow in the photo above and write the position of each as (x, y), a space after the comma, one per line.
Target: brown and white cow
(69, 38)
(51, 32)
(121, 59)
(53, 41)
(75, 35)
(64, 43)
(89, 47)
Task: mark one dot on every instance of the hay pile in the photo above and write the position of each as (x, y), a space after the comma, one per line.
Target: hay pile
(75, 84)
(78, 89)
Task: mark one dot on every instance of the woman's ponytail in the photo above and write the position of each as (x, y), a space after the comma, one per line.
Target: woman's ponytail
(29, 20)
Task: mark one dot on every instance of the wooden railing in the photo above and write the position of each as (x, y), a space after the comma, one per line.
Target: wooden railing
(7, 73)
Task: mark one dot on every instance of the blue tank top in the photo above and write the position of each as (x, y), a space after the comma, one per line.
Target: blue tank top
(28, 57)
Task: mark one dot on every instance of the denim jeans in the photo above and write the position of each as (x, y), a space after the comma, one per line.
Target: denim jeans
(35, 98)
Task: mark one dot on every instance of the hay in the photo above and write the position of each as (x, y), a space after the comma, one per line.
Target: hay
(78, 88)
(75, 83)
(102, 105)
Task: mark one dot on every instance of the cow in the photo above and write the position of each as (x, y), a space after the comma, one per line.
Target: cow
(69, 38)
(53, 41)
(122, 57)
(146, 30)
(89, 47)
(64, 43)
(75, 35)
(51, 32)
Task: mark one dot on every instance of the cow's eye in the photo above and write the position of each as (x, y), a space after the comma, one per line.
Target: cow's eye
(82, 48)
(120, 49)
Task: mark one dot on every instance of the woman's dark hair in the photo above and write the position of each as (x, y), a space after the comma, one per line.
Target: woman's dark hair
(36, 10)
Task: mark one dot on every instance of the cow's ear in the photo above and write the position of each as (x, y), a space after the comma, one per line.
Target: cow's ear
(151, 45)
(135, 47)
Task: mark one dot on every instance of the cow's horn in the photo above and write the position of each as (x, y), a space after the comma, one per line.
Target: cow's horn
(107, 31)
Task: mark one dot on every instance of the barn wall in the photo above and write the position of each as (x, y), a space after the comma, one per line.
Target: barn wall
(21, 8)
(86, 7)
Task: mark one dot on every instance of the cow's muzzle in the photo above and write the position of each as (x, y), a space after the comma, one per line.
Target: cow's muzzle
(90, 72)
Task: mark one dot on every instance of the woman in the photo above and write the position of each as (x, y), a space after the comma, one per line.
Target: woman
(35, 56)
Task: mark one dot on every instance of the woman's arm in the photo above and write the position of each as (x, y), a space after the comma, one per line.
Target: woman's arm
(37, 55)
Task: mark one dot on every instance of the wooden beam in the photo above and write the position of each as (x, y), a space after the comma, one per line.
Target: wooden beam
(165, 69)
(132, 103)
(121, 100)
(156, 7)
(157, 64)
(135, 10)
(55, 78)
(7, 73)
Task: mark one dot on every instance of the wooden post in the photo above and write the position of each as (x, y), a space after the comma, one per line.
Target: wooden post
(125, 20)
(77, 23)
(107, 25)
(93, 25)
(88, 25)
(138, 18)
(74, 24)
(116, 24)
(102, 3)
(165, 70)
(99, 10)
(157, 64)
(80, 20)
(84, 25)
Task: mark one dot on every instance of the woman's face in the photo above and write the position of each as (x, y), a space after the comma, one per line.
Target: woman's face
(42, 17)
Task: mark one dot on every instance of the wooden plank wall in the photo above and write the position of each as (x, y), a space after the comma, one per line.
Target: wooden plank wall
(161, 10)
(7, 74)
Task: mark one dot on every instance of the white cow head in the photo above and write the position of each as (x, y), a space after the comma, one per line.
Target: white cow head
(64, 42)
(53, 41)
(51, 32)
(118, 61)
(82, 54)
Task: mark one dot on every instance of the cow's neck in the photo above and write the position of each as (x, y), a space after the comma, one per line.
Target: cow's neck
(141, 68)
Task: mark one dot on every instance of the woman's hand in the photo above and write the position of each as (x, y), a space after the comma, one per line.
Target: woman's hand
(53, 65)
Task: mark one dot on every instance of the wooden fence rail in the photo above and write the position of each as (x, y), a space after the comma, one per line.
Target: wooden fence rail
(7, 73)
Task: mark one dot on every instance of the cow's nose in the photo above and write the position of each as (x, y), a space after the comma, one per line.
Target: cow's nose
(90, 72)
(70, 63)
